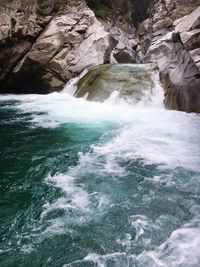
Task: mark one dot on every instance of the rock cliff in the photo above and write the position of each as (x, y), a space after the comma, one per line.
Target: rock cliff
(173, 42)
(21, 23)
(44, 44)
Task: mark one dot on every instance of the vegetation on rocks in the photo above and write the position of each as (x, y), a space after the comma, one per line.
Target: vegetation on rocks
(127, 11)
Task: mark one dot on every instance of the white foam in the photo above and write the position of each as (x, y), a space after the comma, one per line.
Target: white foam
(181, 249)
(58, 108)
(139, 223)
(75, 196)
(27, 249)
(155, 135)
(116, 259)
(71, 86)
(146, 132)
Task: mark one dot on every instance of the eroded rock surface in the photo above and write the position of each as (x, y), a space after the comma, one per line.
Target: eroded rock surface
(21, 23)
(54, 45)
(73, 41)
(175, 47)
(125, 50)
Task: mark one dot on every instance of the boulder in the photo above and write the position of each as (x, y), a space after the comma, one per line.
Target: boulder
(130, 82)
(126, 45)
(125, 50)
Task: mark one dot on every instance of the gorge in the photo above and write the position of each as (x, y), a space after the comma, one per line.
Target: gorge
(46, 43)
(100, 133)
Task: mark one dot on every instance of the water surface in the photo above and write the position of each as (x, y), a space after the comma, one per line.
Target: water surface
(90, 184)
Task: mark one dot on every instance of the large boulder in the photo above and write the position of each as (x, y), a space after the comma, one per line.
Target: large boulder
(128, 81)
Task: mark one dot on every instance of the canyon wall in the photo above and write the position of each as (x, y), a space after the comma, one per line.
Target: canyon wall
(46, 43)
(170, 37)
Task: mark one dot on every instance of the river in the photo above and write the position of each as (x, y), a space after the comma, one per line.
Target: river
(98, 184)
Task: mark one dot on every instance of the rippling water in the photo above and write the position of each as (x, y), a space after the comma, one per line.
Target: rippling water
(90, 184)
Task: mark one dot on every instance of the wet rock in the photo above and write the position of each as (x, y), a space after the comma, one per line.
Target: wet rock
(178, 72)
(127, 81)
(174, 45)
(73, 39)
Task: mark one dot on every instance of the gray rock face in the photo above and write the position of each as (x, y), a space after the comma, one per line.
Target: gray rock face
(126, 47)
(21, 23)
(190, 40)
(189, 29)
(195, 55)
(51, 49)
(73, 41)
(165, 16)
(128, 81)
(188, 23)
(177, 56)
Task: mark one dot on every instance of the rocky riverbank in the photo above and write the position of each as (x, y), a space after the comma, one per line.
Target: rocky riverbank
(41, 52)
(46, 43)
(173, 42)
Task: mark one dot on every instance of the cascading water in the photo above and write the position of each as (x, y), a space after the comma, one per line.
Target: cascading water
(98, 184)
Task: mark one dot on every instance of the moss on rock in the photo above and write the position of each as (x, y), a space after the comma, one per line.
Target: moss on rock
(130, 81)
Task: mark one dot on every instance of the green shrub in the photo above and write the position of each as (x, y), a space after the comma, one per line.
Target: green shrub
(102, 12)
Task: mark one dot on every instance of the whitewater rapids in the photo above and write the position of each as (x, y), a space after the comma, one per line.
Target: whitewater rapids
(129, 197)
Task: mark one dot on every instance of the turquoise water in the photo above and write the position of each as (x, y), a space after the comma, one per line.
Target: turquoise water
(90, 184)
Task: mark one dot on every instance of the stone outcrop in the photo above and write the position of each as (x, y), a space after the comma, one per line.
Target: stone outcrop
(189, 29)
(125, 51)
(72, 41)
(174, 45)
(54, 45)
(21, 23)
(162, 18)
